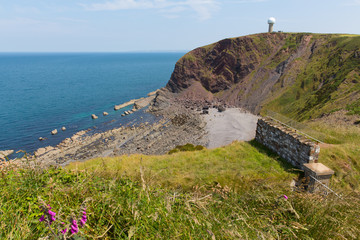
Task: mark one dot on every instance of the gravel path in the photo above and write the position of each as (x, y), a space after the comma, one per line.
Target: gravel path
(230, 125)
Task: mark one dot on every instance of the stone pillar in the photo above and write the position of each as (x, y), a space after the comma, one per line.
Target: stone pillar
(320, 172)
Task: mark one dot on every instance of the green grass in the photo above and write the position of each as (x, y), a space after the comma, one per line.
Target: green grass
(238, 165)
(327, 80)
(233, 192)
(343, 156)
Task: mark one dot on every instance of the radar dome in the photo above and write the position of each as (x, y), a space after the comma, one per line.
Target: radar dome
(271, 20)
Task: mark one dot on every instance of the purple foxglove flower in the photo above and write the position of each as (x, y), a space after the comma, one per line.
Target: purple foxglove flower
(74, 230)
(64, 231)
(82, 222)
(286, 197)
(52, 218)
(51, 213)
(42, 218)
(74, 227)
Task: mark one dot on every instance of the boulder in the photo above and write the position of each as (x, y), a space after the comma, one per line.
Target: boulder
(40, 151)
(221, 109)
(105, 113)
(4, 154)
(93, 116)
(42, 139)
(54, 132)
(63, 128)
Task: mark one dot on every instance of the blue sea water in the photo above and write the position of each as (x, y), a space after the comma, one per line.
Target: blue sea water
(40, 92)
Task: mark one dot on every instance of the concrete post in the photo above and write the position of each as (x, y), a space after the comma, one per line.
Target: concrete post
(317, 171)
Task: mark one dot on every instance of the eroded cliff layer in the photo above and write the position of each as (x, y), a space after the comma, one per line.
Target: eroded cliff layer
(298, 74)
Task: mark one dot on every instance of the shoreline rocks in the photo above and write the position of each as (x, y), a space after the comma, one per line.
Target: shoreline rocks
(175, 125)
(63, 128)
(138, 103)
(54, 132)
(5, 153)
(93, 116)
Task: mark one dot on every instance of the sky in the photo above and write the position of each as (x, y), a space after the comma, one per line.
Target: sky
(160, 25)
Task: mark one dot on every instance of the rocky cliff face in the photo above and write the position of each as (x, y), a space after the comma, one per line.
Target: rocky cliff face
(302, 74)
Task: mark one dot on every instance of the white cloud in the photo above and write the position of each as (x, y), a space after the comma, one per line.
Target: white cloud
(203, 8)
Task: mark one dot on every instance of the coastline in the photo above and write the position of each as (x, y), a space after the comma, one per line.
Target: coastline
(172, 126)
(170, 123)
(138, 104)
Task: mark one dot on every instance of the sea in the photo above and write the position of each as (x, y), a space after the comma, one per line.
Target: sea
(40, 92)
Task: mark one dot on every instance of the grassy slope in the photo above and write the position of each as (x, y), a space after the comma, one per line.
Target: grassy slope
(245, 201)
(329, 80)
(239, 165)
(343, 156)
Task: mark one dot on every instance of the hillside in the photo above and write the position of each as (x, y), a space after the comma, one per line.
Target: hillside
(301, 75)
(239, 191)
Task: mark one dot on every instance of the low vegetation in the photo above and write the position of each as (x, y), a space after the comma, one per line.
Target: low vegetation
(325, 81)
(241, 191)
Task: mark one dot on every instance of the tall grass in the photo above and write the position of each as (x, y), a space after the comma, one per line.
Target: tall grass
(120, 208)
(136, 201)
(239, 165)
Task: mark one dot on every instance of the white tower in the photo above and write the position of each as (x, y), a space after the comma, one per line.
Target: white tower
(271, 22)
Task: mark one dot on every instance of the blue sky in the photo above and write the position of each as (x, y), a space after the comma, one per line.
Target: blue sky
(160, 25)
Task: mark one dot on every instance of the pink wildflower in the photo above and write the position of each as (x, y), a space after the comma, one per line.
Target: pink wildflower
(74, 227)
(51, 213)
(286, 197)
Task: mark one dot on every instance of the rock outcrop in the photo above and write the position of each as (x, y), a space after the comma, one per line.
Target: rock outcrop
(5, 153)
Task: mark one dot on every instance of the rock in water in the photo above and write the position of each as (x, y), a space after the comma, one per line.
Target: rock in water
(63, 128)
(105, 113)
(93, 116)
(4, 154)
(53, 132)
(41, 139)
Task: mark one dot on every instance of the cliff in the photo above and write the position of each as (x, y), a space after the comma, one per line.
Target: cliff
(298, 74)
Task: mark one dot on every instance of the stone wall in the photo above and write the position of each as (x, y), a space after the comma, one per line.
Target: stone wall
(288, 144)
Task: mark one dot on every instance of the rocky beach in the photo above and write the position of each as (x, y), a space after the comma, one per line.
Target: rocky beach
(178, 122)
